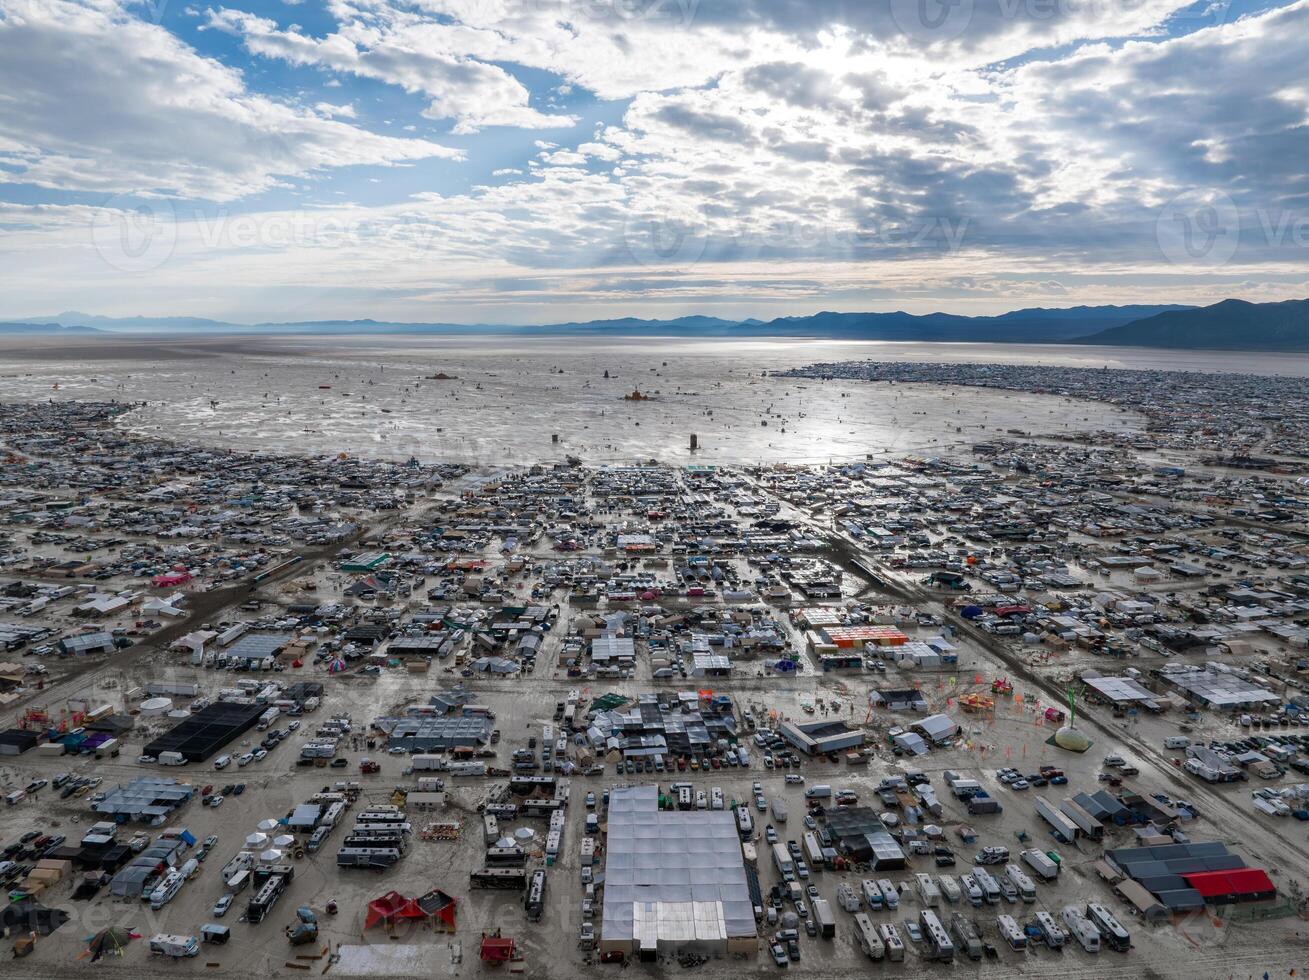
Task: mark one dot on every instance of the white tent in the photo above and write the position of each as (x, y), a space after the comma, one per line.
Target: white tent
(256, 840)
(268, 824)
(272, 854)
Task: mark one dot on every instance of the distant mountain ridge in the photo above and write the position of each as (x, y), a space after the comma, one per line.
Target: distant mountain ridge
(1232, 324)
(1229, 325)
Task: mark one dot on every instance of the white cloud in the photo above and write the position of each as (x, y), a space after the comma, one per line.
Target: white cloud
(98, 100)
(407, 53)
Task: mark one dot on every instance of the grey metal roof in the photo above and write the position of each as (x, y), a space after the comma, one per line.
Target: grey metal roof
(673, 877)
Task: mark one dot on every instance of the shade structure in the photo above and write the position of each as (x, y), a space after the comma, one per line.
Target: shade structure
(391, 908)
(256, 840)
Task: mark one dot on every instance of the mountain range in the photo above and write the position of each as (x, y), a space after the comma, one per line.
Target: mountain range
(1229, 325)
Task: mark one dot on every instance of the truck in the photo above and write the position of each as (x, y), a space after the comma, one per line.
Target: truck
(267, 718)
(163, 944)
(1040, 863)
(175, 689)
(782, 859)
(823, 916)
(171, 759)
(983, 802)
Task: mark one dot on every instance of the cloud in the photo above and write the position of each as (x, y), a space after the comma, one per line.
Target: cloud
(415, 56)
(98, 100)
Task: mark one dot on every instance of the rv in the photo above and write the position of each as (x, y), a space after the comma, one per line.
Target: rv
(972, 890)
(1054, 936)
(966, 939)
(534, 897)
(174, 946)
(990, 888)
(872, 895)
(868, 939)
(894, 944)
(1115, 936)
(1081, 929)
(1020, 881)
(509, 878)
(928, 893)
(166, 890)
(1010, 933)
(950, 890)
(890, 894)
(744, 822)
(936, 942)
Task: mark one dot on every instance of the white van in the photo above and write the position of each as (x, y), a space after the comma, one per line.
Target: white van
(16, 797)
(222, 762)
(820, 792)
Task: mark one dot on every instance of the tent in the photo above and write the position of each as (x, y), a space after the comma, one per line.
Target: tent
(440, 907)
(109, 942)
(336, 666)
(497, 949)
(392, 908)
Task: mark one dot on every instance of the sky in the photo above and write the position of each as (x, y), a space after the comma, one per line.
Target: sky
(536, 161)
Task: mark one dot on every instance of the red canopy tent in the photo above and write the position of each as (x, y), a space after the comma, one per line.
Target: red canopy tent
(391, 908)
(497, 949)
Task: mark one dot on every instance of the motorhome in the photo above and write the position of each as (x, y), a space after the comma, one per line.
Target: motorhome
(890, 894)
(1053, 936)
(166, 890)
(1111, 930)
(891, 939)
(868, 939)
(928, 892)
(1023, 884)
(937, 944)
(1081, 928)
(1010, 932)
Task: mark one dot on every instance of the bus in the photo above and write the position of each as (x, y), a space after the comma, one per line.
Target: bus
(867, 938)
(534, 897)
(498, 878)
(1115, 936)
(1054, 936)
(813, 850)
(936, 941)
(1010, 933)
